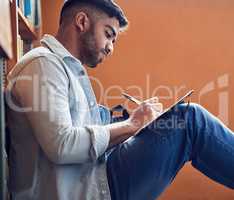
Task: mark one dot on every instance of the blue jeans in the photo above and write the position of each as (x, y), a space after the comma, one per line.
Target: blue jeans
(145, 165)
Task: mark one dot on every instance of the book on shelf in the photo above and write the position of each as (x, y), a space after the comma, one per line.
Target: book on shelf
(28, 9)
(4, 172)
(20, 4)
(31, 10)
(23, 46)
(20, 47)
(37, 21)
(3, 66)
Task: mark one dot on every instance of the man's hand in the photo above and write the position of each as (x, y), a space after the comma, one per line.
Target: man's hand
(145, 113)
(141, 116)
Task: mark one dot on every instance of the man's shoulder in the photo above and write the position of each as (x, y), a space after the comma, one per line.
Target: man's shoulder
(35, 55)
(39, 52)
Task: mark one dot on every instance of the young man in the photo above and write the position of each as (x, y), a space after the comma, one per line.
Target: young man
(61, 150)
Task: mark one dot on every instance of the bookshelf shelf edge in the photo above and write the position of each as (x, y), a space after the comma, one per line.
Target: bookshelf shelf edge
(26, 29)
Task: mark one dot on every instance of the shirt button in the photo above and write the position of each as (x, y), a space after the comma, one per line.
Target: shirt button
(81, 73)
(103, 192)
(92, 103)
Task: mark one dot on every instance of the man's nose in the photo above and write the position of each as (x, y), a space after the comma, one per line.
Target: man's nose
(109, 49)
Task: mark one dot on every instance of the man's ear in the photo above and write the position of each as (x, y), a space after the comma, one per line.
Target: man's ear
(82, 21)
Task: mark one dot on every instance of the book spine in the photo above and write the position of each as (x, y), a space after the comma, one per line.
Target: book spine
(3, 65)
(20, 47)
(31, 10)
(3, 155)
(20, 4)
(27, 8)
(37, 4)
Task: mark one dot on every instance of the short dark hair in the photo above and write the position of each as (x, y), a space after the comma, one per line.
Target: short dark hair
(107, 6)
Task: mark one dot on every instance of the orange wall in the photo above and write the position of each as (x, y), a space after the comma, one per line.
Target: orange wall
(174, 44)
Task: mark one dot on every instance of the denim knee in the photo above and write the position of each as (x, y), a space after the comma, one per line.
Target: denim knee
(190, 106)
(196, 107)
(193, 112)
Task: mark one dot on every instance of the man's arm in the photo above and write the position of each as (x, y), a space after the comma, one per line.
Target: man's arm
(119, 132)
(146, 111)
(50, 118)
(43, 87)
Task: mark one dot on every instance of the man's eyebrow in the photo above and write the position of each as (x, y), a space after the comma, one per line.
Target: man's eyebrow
(112, 29)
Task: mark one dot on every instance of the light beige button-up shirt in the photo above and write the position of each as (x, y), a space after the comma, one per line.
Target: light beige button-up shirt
(56, 133)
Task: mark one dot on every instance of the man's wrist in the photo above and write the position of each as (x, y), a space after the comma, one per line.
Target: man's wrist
(131, 127)
(120, 131)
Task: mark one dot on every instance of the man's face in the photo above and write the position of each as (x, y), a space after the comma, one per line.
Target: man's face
(97, 43)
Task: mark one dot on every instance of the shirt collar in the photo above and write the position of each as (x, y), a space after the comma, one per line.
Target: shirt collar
(56, 47)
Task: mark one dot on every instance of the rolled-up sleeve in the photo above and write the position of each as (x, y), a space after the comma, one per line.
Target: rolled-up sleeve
(100, 142)
(42, 90)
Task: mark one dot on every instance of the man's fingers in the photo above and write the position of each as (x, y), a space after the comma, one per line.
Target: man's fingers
(152, 100)
(156, 107)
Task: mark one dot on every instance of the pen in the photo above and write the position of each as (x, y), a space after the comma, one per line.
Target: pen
(133, 99)
(138, 102)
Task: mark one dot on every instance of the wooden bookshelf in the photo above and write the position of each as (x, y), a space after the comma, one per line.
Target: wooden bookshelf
(6, 52)
(13, 24)
(23, 27)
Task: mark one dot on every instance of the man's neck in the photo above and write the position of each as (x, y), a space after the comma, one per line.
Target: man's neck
(69, 42)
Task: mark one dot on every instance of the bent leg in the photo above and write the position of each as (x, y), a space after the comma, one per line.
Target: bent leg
(142, 167)
(213, 146)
